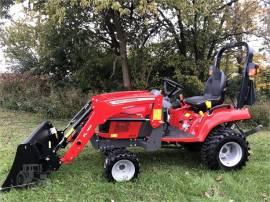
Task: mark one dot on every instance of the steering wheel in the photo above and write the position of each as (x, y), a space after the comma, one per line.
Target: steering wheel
(175, 87)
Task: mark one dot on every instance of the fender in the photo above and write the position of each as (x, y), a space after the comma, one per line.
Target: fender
(219, 116)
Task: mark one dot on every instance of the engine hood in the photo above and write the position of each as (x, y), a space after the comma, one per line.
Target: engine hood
(125, 97)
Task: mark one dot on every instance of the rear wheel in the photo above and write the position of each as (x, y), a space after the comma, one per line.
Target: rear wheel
(225, 149)
(121, 166)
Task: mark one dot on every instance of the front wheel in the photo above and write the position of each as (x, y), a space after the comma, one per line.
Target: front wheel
(121, 166)
(225, 149)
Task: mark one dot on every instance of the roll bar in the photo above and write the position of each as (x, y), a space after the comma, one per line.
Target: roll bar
(249, 52)
(246, 94)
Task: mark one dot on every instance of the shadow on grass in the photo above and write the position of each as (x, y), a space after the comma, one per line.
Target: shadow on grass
(88, 167)
(164, 157)
(170, 157)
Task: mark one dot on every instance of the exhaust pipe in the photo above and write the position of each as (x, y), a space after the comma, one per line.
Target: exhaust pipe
(35, 158)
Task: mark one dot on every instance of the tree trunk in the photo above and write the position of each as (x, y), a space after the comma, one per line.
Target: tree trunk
(122, 38)
(183, 47)
(124, 63)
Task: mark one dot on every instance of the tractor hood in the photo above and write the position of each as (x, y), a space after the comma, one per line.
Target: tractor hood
(125, 97)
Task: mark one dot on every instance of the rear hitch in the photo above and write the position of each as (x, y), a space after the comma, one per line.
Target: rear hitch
(253, 130)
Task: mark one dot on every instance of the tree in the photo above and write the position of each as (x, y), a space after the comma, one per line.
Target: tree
(21, 48)
(87, 40)
(117, 26)
(200, 27)
(265, 32)
(44, 44)
(121, 25)
(4, 7)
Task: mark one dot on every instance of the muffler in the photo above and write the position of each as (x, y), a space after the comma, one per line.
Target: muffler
(35, 158)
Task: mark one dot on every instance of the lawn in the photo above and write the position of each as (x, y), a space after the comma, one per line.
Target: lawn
(167, 175)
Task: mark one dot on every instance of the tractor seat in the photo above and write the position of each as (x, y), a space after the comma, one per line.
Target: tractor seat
(214, 91)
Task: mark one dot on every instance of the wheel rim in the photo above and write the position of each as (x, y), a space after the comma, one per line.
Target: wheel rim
(123, 170)
(230, 154)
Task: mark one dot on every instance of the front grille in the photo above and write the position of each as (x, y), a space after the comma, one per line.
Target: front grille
(121, 127)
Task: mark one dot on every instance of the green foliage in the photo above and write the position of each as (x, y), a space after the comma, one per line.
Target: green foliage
(4, 7)
(261, 114)
(88, 44)
(266, 29)
(37, 95)
(96, 73)
(67, 37)
(150, 64)
(263, 84)
(22, 49)
(192, 85)
(233, 87)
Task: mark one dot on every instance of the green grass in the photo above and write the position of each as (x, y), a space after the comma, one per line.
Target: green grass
(167, 175)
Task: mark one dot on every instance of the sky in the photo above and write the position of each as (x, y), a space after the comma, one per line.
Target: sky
(16, 12)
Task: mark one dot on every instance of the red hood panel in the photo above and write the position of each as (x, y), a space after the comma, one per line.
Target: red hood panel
(124, 95)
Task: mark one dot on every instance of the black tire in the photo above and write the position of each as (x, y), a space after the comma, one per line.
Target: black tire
(117, 156)
(214, 143)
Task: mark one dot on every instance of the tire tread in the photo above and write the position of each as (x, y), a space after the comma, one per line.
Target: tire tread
(213, 142)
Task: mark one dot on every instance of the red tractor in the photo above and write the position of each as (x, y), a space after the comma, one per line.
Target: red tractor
(114, 122)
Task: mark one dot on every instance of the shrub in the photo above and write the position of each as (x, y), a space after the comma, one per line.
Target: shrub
(192, 85)
(261, 114)
(36, 94)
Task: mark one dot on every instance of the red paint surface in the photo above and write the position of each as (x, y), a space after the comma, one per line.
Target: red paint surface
(140, 104)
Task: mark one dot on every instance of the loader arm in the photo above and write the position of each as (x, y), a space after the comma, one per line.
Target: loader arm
(96, 117)
(40, 149)
(100, 113)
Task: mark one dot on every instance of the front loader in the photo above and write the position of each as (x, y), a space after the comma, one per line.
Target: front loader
(114, 122)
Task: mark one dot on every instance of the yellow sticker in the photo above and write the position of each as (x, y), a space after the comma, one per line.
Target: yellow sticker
(187, 115)
(208, 104)
(114, 135)
(157, 114)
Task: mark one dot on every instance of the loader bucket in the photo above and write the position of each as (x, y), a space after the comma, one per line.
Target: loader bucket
(34, 159)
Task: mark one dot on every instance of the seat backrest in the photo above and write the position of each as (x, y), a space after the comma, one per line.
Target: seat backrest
(216, 84)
